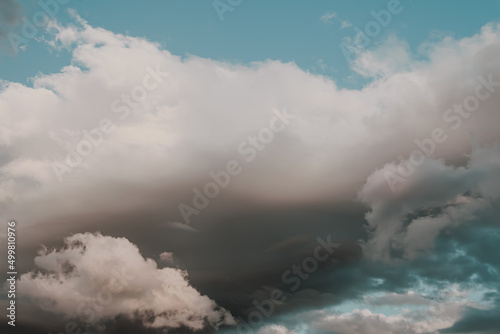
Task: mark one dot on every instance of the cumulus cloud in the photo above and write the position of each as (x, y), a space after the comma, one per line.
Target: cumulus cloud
(391, 57)
(157, 150)
(181, 127)
(95, 278)
(433, 198)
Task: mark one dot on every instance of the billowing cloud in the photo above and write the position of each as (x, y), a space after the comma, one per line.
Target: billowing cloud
(95, 278)
(200, 115)
(433, 198)
(127, 132)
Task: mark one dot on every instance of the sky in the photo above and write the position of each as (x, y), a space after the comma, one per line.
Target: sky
(267, 167)
(308, 34)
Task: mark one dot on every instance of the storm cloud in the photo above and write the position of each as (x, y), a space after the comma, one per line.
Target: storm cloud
(105, 151)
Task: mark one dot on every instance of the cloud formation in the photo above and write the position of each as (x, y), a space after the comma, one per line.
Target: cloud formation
(435, 198)
(96, 278)
(304, 185)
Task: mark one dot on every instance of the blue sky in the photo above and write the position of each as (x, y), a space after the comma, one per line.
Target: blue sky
(290, 31)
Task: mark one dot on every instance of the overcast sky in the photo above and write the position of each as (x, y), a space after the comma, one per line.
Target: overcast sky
(261, 167)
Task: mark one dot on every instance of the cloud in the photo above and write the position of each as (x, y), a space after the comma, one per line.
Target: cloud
(345, 24)
(434, 198)
(476, 321)
(409, 298)
(335, 129)
(393, 56)
(327, 17)
(408, 313)
(167, 257)
(366, 322)
(179, 226)
(299, 187)
(96, 278)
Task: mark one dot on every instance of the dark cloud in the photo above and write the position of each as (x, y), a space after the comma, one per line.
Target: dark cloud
(477, 321)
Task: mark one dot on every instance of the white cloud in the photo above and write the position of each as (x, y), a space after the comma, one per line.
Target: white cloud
(193, 122)
(94, 278)
(345, 24)
(389, 58)
(327, 17)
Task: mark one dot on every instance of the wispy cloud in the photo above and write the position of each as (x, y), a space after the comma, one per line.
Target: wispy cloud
(327, 17)
(345, 24)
